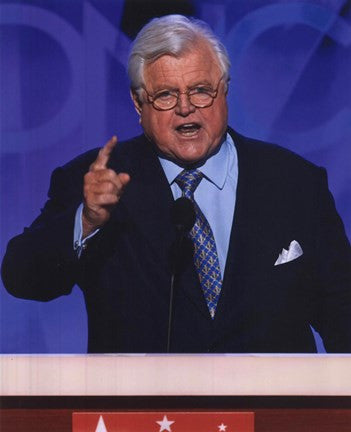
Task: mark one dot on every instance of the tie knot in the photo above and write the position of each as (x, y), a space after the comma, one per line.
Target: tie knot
(188, 181)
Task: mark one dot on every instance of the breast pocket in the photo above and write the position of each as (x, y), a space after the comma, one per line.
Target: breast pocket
(278, 290)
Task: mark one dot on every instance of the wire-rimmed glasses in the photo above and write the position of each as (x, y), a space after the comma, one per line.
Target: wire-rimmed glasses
(200, 96)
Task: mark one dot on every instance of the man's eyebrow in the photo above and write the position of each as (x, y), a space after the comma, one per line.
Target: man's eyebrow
(201, 83)
(166, 87)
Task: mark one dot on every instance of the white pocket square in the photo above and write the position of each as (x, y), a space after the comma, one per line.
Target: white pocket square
(292, 253)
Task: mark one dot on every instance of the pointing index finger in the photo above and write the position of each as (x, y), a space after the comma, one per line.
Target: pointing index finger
(104, 154)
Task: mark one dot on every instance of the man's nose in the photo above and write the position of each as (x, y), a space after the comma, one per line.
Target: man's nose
(184, 107)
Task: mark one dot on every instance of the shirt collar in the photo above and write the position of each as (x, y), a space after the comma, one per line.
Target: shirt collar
(215, 169)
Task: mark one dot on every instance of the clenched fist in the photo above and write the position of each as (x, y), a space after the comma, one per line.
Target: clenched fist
(103, 188)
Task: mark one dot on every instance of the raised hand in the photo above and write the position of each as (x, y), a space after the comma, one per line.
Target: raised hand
(103, 188)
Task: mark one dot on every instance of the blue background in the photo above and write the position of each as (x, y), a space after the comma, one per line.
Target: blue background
(64, 89)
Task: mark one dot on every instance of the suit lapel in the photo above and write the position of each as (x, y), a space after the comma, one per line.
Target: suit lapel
(148, 198)
(249, 242)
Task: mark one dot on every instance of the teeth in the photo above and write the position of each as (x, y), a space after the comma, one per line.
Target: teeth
(188, 126)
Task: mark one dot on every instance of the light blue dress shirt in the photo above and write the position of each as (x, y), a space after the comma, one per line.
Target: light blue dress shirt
(215, 195)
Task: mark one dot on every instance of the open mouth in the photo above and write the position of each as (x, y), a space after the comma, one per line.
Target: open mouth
(188, 129)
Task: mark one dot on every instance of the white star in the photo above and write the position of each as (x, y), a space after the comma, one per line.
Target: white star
(222, 427)
(101, 426)
(165, 424)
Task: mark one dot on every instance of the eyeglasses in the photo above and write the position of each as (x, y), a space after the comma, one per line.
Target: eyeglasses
(201, 96)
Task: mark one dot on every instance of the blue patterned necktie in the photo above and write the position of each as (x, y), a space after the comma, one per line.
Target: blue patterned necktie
(205, 252)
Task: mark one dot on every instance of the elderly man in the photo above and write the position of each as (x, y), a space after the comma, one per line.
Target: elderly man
(266, 258)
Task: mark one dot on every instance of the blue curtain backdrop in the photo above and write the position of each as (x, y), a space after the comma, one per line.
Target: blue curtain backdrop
(64, 89)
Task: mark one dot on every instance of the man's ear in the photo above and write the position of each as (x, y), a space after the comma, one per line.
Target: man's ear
(227, 87)
(136, 101)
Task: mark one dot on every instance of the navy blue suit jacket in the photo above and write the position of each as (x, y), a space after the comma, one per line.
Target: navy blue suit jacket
(125, 271)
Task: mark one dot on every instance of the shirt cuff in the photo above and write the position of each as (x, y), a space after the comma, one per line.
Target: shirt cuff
(80, 244)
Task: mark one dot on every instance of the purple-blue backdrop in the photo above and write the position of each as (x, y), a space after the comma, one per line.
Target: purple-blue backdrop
(64, 89)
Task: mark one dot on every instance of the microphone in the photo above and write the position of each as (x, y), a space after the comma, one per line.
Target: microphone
(183, 217)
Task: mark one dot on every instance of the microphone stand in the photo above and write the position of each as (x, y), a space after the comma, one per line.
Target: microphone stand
(177, 249)
(183, 217)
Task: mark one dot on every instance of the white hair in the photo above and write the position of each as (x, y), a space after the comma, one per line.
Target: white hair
(172, 35)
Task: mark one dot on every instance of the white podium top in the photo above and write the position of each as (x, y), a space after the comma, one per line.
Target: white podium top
(175, 375)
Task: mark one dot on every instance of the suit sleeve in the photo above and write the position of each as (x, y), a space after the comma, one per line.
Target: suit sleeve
(40, 264)
(332, 274)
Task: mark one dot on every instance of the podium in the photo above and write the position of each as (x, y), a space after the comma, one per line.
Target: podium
(285, 393)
